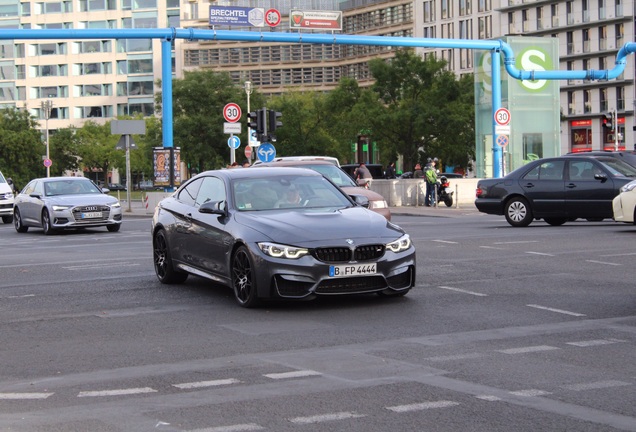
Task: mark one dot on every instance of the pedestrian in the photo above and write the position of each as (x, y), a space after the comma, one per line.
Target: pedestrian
(431, 181)
(417, 172)
(390, 171)
(363, 175)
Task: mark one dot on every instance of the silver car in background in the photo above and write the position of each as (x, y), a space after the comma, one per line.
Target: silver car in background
(58, 203)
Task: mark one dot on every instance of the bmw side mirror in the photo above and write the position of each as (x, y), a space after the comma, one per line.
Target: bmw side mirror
(601, 177)
(214, 207)
(360, 200)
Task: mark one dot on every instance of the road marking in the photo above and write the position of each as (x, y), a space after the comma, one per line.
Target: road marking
(491, 247)
(97, 266)
(517, 242)
(200, 384)
(596, 385)
(463, 291)
(556, 310)
(119, 392)
(20, 296)
(524, 350)
(446, 241)
(603, 262)
(618, 255)
(294, 374)
(489, 398)
(232, 428)
(421, 406)
(539, 253)
(595, 342)
(455, 357)
(7, 396)
(530, 393)
(326, 417)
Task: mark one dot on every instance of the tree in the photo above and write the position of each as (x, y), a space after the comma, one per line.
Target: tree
(198, 101)
(21, 147)
(63, 150)
(97, 151)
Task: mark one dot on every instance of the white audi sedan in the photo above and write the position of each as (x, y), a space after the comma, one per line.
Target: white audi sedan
(624, 205)
(58, 203)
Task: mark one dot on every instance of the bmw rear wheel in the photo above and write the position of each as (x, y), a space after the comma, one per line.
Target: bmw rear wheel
(163, 261)
(243, 281)
(518, 212)
(17, 222)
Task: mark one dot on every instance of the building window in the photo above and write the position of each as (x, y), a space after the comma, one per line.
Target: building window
(587, 101)
(620, 98)
(569, 37)
(429, 11)
(539, 18)
(603, 100)
(601, 9)
(571, 103)
(619, 8)
(554, 12)
(586, 40)
(586, 10)
(569, 13)
(620, 35)
(602, 38)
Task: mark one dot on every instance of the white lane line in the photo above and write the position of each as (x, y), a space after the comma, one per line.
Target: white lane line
(232, 428)
(326, 417)
(596, 385)
(491, 247)
(561, 311)
(530, 393)
(489, 398)
(595, 342)
(201, 384)
(517, 242)
(119, 392)
(539, 253)
(446, 241)
(20, 296)
(618, 255)
(7, 396)
(294, 374)
(421, 406)
(455, 357)
(97, 266)
(602, 262)
(463, 291)
(529, 349)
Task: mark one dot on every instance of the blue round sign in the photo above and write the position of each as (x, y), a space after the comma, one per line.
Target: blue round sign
(266, 152)
(234, 142)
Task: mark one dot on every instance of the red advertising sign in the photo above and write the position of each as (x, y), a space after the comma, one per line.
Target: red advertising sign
(326, 20)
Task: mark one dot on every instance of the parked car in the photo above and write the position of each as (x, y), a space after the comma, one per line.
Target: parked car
(626, 156)
(624, 205)
(6, 200)
(556, 190)
(116, 187)
(376, 170)
(377, 203)
(227, 226)
(329, 159)
(59, 203)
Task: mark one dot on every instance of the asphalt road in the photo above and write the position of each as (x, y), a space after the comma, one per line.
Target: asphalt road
(508, 329)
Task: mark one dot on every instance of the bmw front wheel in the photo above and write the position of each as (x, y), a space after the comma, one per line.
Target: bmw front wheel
(162, 260)
(243, 281)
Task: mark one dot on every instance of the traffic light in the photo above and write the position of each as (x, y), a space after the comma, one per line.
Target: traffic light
(273, 120)
(256, 121)
(608, 120)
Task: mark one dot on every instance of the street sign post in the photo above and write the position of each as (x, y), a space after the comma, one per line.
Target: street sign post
(234, 142)
(266, 152)
(231, 128)
(248, 152)
(272, 17)
(502, 117)
(232, 112)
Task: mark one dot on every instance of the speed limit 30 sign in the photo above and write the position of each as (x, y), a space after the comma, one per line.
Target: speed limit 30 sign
(502, 117)
(232, 112)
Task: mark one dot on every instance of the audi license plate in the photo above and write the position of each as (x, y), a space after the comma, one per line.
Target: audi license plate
(91, 215)
(352, 270)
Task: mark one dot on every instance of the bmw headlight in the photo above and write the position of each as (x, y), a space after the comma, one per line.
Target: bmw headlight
(629, 187)
(399, 245)
(282, 251)
(61, 207)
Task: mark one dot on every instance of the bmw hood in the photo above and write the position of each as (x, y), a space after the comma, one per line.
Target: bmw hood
(303, 226)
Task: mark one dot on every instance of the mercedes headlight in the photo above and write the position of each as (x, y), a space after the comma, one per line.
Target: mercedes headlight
(399, 245)
(282, 251)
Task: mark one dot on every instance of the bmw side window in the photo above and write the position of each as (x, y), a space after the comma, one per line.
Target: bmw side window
(212, 189)
(188, 194)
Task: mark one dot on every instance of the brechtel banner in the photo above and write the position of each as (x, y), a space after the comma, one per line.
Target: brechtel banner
(237, 16)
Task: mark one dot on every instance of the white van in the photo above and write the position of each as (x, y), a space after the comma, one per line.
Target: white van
(6, 200)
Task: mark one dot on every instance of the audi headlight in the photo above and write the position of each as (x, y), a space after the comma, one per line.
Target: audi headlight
(116, 205)
(629, 187)
(61, 207)
(399, 245)
(282, 251)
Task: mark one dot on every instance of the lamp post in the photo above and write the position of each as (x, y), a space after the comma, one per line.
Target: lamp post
(248, 92)
(46, 108)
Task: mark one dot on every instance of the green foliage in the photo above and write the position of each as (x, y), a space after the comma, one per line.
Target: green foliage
(64, 150)
(96, 148)
(21, 146)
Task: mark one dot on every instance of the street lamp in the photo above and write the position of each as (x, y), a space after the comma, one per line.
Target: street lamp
(46, 109)
(248, 92)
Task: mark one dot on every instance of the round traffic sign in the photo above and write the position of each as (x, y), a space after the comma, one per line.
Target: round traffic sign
(47, 162)
(234, 142)
(266, 152)
(248, 152)
(502, 117)
(232, 112)
(502, 140)
(272, 17)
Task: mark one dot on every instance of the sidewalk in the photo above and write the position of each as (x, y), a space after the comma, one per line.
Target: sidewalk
(138, 209)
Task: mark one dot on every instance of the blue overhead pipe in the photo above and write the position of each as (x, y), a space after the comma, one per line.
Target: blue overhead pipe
(168, 34)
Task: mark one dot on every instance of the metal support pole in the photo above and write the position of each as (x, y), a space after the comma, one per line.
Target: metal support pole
(46, 108)
(128, 173)
(248, 92)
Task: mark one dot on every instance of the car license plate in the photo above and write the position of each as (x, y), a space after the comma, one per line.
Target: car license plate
(352, 270)
(91, 215)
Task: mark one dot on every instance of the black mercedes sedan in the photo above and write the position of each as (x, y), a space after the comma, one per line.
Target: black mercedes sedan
(277, 232)
(556, 190)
